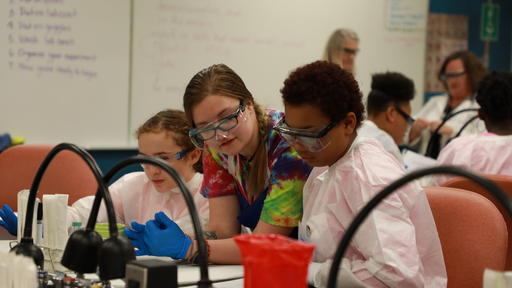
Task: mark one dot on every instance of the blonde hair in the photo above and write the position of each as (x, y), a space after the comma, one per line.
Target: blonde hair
(335, 42)
(219, 79)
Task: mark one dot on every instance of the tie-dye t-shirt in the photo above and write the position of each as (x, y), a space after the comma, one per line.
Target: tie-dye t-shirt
(224, 175)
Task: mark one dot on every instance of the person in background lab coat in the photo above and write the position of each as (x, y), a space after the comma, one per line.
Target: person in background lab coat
(486, 153)
(138, 196)
(389, 110)
(461, 73)
(398, 245)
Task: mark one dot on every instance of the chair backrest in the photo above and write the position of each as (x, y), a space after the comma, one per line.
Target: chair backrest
(473, 234)
(66, 174)
(505, 183)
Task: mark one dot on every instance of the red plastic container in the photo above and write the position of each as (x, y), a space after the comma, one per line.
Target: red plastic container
(272, 260)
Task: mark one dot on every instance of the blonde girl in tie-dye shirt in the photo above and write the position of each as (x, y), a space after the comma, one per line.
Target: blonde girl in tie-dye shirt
(280, 201)
(252, 177)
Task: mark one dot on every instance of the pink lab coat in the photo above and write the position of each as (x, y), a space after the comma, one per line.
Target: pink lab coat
(397, 245)
(484, 153)
(135, 199)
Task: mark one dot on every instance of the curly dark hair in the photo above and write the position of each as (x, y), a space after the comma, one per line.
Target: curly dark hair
(326, 86)
(389, 88)
(474, 68)
(495, 99)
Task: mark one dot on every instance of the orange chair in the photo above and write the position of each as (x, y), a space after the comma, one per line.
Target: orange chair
(66, 174)
(505, 183)
(473, 234)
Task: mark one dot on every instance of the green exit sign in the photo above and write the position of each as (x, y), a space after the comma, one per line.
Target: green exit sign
(490, 22)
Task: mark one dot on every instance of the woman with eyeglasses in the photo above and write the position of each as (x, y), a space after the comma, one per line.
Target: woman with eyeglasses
(342, 48)
(461, 73)
(398, 244)
(389, 110)
(252, 178)
(490, 152)
(137, 196)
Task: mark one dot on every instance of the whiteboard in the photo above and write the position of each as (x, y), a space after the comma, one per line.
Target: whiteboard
(263, 41)
(65, 72)
(91, 71)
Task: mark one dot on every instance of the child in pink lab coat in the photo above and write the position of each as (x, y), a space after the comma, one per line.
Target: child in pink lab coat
(398, 245)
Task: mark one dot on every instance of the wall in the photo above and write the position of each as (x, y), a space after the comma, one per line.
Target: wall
(107, 158)
(90, 72)
(136, 56)
(501, 50)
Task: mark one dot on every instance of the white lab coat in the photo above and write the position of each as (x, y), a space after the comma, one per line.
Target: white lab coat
(370, 130)
(135, 199)
(398, 244)
(433, 110)
(484, 154)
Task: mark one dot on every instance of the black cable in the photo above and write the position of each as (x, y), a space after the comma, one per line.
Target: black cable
(102, 188)
(462, 128)
(445, 119)
(26, 242)
(204, 280)
(495, 191)
(192, 283)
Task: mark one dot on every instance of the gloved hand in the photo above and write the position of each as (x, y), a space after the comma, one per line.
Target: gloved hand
(9, 220)
(136, 236)
(165, 238)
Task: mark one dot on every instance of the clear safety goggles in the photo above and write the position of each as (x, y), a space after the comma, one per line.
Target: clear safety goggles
(209, 131)
(310, 140)
(450, 75)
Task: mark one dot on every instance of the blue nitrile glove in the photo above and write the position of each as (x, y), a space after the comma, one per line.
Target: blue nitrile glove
(9, 220)
(136, 236)
(165, 238)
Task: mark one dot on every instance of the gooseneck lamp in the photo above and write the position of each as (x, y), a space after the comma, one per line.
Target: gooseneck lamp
(86, 250)
(204, 280)
(361, 216)
(430, 144)
(26, 246)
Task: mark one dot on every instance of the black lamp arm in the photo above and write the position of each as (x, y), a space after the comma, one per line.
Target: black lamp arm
(365, 211)
(465, 126)
(445, 119)
(140, 159)
(102, 189)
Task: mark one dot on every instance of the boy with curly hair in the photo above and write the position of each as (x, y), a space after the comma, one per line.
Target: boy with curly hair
(398, 244)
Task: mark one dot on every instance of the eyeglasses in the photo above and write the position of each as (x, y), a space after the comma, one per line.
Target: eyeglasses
(199, 135)
(170, 157)
(446, 76)
(310, 140)
(407, 117)
(350, 51)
